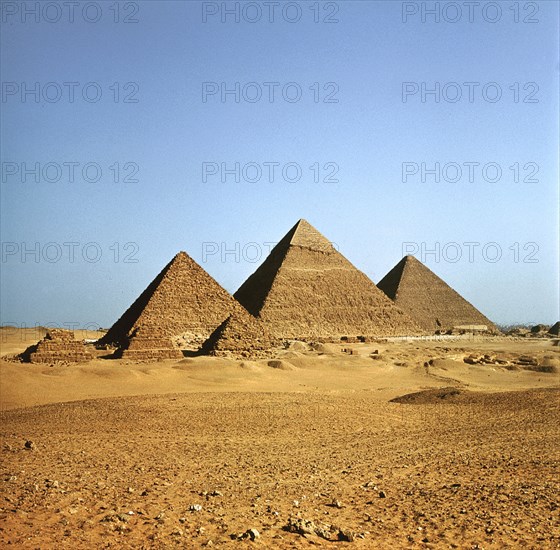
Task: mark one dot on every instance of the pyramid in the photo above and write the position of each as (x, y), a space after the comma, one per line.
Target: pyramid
(306, 289)
(240, 335)
(431, 302)
(555, 329)
(149, 344)
(57, 345)
(182, 303)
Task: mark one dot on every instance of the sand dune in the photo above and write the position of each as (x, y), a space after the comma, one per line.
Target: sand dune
(304, 447)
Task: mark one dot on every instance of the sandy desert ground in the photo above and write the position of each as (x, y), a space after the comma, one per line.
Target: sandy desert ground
(309, 449)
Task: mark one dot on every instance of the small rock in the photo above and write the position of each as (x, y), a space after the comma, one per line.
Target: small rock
(253, 534)
(30, 446)
(382, 494)
(336, 504)
(346, 535)
(195, 507)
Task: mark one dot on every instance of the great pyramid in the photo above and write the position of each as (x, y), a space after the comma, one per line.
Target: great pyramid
(240, 335)
(306, 289)
(431, 302)
(182, 302)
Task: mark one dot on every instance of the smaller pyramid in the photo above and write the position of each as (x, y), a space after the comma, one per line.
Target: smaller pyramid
(429, 300)
(149, 344)
(555, 329)
(240, 335)
(183, 302)
(57, 345)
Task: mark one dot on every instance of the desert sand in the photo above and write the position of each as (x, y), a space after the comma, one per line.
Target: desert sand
(307, 447)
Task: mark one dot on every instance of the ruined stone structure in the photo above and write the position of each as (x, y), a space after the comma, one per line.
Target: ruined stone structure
(149, 344)
(240, 335)
(306, 289)
(431, 302)
(183, 302)
(58, 345)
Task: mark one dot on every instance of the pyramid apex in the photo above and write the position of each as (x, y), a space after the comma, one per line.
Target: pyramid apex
(180, 257)
(410, 260)
(304, 234)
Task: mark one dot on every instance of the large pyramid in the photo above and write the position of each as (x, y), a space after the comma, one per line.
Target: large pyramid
(240, 335)
(182, 302)
(306, 289)
(431, 302)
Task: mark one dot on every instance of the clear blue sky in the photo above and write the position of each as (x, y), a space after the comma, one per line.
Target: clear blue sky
(169, 132)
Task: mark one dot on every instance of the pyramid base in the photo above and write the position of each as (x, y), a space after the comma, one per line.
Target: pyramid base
(245, 354)
(151, 354)
(57, 357)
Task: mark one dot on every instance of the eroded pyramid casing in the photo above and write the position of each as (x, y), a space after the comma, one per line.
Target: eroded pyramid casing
(307, 289)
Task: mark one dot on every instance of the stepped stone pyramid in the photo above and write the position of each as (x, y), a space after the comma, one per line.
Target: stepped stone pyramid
(149, 344)
(240, 335)
(306, 289)
(57, 345)
(431, 302)
(182, 303)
